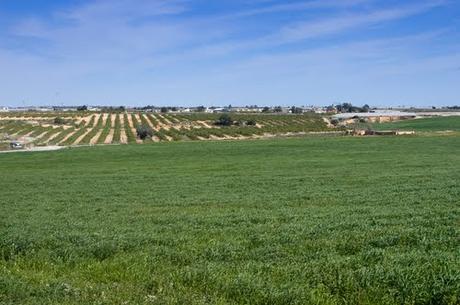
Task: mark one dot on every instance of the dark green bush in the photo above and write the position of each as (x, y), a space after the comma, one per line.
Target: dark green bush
(144, 131)
(224, 120)
(59, 121)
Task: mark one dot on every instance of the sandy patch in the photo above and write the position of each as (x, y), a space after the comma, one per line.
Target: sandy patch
(109, 138)
(96, 137)
(123, 137)
(106, 116)
(174, 119)
(203, 123)
(53, 136)
(111, 120)
(85, 118)
(133, 129)
(131, 124)
(328, 123)
(38, 137)
(160, 123)
(148, 121)
(167, 122)
(138, 117)
(67, 136)
(78, 140)
(29, 133)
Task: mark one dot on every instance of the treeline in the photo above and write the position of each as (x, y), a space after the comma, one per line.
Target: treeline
(348, 107)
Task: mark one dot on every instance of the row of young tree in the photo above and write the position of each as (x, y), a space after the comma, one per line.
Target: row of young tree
(144, 131)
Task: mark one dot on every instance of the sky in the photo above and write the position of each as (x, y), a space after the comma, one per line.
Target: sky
(238, 52)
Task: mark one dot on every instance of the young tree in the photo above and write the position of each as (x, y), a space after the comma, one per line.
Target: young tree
(144, 131)
(59, 121)
(224, 120)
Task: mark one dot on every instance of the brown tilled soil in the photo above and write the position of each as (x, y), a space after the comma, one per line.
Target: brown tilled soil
(328, 122)
(67, 136)
(109, 138)
(150, 123)
(160, 124)
(86, 118)
(123, 138)
(112, 120)
(53, 136)
(24, 119)
(204, 124)
(168, 122)
(138, 117)
(41, 135)
(105, 117)
(95, 138)
(78, 140)
(131, 125)
(175, 120)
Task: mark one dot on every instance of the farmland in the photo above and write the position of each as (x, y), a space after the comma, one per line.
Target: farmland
(315, 220)
(86, 128)
(433, 124)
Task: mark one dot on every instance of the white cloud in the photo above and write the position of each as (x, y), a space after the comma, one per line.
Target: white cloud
(113, 50)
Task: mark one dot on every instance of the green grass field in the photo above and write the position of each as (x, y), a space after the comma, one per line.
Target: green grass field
(336, 220)
(428, 124)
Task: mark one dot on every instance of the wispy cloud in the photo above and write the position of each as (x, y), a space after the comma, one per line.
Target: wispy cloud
(299, 6)
(309, 29)
(297, 32)
(162, 49)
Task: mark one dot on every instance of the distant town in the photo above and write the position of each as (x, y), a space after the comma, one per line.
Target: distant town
(331, 109)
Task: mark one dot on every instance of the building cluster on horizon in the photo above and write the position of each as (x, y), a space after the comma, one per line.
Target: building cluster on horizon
(173, 109)
(332, 109)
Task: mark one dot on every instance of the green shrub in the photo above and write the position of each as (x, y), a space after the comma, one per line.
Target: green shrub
(144, 131)
(59, 121)
(224, 120)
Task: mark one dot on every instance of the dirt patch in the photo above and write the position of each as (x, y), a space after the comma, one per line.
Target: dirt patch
(131, 125)
(203, 123)
(109, 138)
(112, 120)
(148, 122)
(105, 117)
(95, 138)
(328, 123)
(78, 140)
(41, 135)
(123, 137)
(67, 136)
(168, 122)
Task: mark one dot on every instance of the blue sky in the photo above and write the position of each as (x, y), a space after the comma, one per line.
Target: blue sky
(239, 52)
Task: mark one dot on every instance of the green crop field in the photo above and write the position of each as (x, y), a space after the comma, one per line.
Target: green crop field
(428, 124)
(314, 220)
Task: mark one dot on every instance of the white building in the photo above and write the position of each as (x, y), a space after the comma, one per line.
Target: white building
(4, 109)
